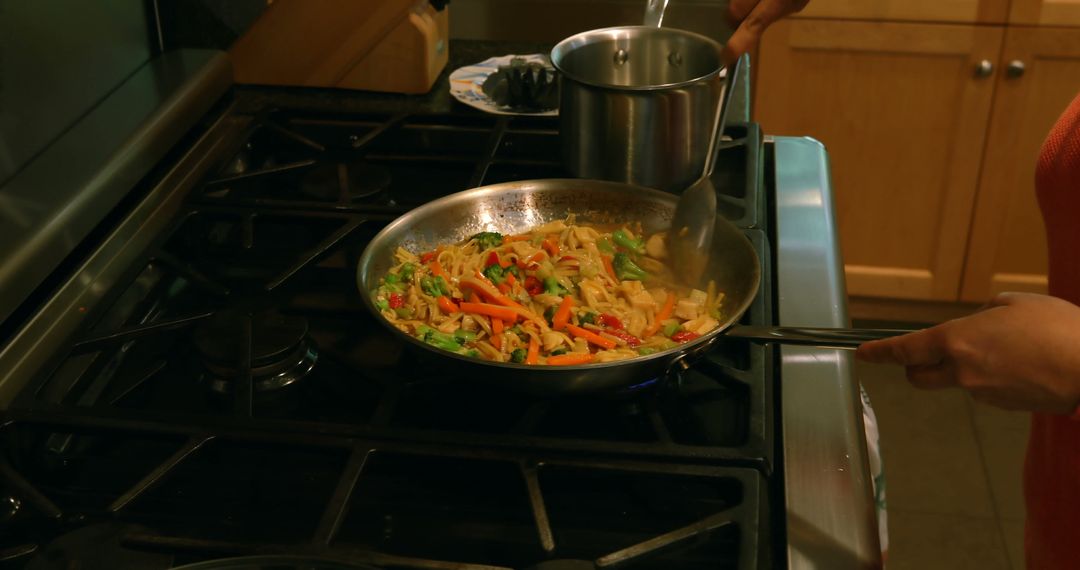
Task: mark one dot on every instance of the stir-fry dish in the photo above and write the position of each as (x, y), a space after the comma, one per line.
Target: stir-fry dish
(561, 294)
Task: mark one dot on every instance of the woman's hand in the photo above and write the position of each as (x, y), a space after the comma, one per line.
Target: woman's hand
(1020, 352)
(750, 18)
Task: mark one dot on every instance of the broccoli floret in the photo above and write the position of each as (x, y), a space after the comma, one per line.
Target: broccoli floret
(487, 240)
(626, 269)
(559, 351)
(438, 339)
(549, 314)
(587, 318)
(382, 304)
(552, 287)
(427, 285)
(495, 273)
(604, 245)
(517, 356)
(623, 239)
(442, 286)
(463, 336)
(407, 271)
(671, 328)
(515, 271)
(434, 286)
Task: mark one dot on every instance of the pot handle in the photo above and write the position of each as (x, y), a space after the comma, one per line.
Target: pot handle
(685, 360)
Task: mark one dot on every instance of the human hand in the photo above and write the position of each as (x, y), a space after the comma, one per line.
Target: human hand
(750, 18)
(1020, 352)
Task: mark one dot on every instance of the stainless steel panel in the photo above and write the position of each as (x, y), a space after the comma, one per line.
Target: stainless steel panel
(36, 344)
(831, 521)
(58, 60)
(50, 205)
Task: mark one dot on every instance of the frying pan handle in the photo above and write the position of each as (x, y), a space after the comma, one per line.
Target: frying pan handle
(808, 336)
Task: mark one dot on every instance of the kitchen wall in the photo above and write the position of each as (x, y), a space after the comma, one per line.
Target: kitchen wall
(552, 20)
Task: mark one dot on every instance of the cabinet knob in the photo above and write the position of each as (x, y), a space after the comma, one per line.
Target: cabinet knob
(1015, 69)
(984, 68)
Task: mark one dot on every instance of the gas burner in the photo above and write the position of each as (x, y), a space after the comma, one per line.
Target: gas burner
(281, 350)
(348, 181)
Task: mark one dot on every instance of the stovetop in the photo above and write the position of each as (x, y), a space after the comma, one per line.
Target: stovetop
(334, 440)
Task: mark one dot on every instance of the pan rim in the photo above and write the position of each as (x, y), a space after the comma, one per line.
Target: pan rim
(674, 353)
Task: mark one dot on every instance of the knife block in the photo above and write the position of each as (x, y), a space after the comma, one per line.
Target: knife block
(397, 46)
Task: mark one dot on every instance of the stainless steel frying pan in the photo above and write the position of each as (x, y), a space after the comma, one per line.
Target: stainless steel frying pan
(517, 207)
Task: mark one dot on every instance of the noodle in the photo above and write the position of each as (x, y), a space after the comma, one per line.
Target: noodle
(583, 294)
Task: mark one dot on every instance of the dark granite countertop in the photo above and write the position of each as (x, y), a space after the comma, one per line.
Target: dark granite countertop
(252, 98)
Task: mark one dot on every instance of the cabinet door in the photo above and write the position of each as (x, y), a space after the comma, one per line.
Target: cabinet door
(966, 11)
(1007, 251)
(1045, 12)
(903, 115)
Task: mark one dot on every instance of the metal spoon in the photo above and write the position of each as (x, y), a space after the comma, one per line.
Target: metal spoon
(654, 12)
(692, 226)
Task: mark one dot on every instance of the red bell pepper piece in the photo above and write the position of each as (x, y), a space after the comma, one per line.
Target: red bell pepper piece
(684, 336)
(610, 321)
(396, 301)
(533, 286)
(630, 339)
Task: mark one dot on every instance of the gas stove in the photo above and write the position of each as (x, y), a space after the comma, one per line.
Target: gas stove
(207, 383)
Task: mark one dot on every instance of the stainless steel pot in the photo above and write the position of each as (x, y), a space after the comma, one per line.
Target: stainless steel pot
(637, 104)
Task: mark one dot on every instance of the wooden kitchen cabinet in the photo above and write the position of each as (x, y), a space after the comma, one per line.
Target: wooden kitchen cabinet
(1045, 12)
(966, 11)
(904, 115)
(1007, 249)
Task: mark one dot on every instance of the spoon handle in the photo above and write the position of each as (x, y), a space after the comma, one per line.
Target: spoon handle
(721, 117)
(654, 12)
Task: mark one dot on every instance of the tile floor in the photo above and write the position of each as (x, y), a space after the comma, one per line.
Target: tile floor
(953, 470)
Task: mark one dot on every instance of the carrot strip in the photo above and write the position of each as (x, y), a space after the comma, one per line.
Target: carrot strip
(504, 288)
(497, 330)
(665, 312)
(535, 257)
(446, 304)
(511, 239)
(510, 279)
(496, 311)
(436, 269)
(481, 285)
(551, 245)
(608, 267)
(570, 359)
(562, 314)
(589, 336)
(473, 297)
(533, 353)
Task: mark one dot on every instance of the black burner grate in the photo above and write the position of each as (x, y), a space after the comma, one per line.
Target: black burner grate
(165, 414)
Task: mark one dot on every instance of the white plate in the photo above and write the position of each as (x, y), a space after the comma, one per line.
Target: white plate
(466, 85)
